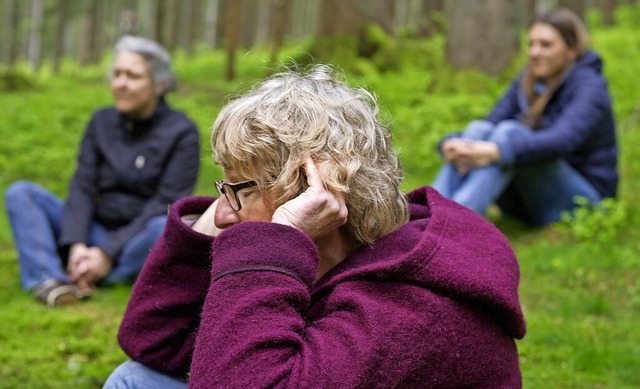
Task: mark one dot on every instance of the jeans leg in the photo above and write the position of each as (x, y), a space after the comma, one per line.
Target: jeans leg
(548, 189)
(135, 252)
(35, 216)
(482, 186)
(447, 181)
(478, 130)
(134, 375)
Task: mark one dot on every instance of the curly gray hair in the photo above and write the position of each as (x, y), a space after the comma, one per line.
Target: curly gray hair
(268, 133)
(158, 59)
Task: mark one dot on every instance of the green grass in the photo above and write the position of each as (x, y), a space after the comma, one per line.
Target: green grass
(579, 280)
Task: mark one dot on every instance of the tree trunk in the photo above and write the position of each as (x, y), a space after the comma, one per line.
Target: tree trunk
(88, 32)
(279, 25)
(483, 34)
(233, 27)
(383, 14)
(248, 22)
(579, 7)
(174, 41)
(341, 17)
(608, 8)
(211, 20)
(61, 24)
(34, 48)
(193, 28)
(11, 38)
(432, 13)
(159, 22)
(531, 11)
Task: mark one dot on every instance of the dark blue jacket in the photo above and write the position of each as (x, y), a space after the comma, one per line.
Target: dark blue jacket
(577, 124)
(129, 171)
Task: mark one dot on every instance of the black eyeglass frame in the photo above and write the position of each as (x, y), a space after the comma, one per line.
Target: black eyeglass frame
(225, 187)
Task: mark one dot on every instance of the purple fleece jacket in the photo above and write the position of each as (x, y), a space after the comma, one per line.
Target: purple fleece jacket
(432, 305)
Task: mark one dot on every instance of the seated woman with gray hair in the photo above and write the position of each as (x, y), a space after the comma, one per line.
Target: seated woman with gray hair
(312, 269)
(135, 159)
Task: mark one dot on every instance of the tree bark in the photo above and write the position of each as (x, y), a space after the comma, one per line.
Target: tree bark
(483, 35)
(211, 20)
(159, 22)
(34, 45)
(11, 40)
(87, 47)
(279, 25)
(233, 27)
(341, 17)
(383, 14)
(174, 41)
(608, 8)
(61, 24)
(431, 12)
(577, 6)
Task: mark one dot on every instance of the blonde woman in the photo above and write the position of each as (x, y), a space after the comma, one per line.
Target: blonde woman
(313, 270)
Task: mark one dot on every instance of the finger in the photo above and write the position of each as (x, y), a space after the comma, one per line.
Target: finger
(313, 177)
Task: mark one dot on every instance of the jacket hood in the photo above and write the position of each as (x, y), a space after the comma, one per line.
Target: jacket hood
(590, 59)
(447, 249)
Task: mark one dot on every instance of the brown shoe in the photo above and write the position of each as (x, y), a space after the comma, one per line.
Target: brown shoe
(55, 293)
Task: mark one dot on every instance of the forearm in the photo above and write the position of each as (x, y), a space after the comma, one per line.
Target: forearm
(159, 325)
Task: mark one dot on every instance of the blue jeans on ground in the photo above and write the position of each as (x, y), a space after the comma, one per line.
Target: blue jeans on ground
(537, 193)
(134, 375)
(35, 215)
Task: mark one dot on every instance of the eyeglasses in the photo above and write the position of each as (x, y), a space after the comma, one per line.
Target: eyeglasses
(230, 191)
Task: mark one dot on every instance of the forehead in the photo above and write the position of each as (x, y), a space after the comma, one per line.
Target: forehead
(231, 176)
(544, 32)
(130, 61)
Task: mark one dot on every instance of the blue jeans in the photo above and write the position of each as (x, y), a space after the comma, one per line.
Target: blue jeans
(35, 215)
(134, 375)
(537, 193)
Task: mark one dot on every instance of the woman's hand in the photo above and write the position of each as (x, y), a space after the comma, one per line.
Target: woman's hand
(93, 267)
(483, 153)
(316, 211)
(466, 154)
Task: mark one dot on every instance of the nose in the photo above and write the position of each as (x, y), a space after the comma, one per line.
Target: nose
(534, 50)
(119, 81)
(225, 216)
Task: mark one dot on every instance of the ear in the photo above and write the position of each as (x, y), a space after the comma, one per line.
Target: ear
(160, 88)
(572, 55)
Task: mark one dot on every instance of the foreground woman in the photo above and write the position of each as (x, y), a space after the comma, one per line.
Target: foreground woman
(313, 270)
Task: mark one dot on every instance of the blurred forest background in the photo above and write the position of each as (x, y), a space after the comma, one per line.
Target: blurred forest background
(434, 66)
(40, 31)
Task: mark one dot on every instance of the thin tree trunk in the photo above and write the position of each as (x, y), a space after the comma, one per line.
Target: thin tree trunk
(431, 14)
(577, 6)
(211, 19)
(159, 21)
(88, 32)
(194, 24)
(61, 25)
(608, 12)
(34, 49)
(175, 25)
(279, 25)
(383, 13)
(233, 26)
(12, 33)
